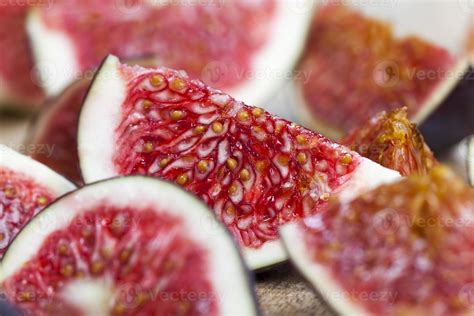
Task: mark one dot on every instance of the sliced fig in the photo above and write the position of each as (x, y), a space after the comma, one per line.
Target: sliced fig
(357, 65)
(391, 140)
(226, 43)
(26, 187)
(56, 129)
(402, 249)
(18, 89)
(255, 170)
(127, 246)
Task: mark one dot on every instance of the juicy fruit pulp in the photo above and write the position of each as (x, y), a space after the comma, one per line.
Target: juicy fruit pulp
(382, 78)
(20, 199)
(391, 140)
(95, 245)
(411, 243)
(215, 41)
(16, 81)
(57, 128)
(255, 170)
(26, 187)
(130, 255)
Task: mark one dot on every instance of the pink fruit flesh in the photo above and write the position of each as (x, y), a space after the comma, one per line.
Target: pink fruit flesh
(358, 68)
(109, 243)
(410, 243)
(20, 199)
(215, 41)
(16, 64)
(255, 170)
(57, 128)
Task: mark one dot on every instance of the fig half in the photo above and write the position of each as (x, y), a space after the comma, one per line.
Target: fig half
(56, 127)
(26, 188)
(405, 248)
(127, 246)
(363, 59)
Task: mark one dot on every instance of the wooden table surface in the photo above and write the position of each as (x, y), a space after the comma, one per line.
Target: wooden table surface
(283, 292)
